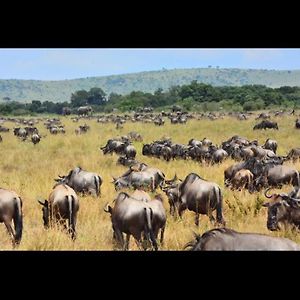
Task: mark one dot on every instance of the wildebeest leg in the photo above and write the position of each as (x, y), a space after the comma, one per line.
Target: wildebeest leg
(127, 241)
(119, 238)
(197, 219)
(10, 231)
(181, 209)
(162, 235)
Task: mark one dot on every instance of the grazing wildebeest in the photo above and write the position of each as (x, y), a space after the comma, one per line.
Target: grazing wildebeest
(200, 196)
(130, 152)
(132, 217)
(219, 156)
(265, 125)
(140, 175)
(128, 162)
(35, 138)
(271, 145)
(225, 239)
(82, 181)
(297, 124)
(166, 153)
(11, 209)
(4, 129)
(282, 209)
(277, 176)
(294, 154)
(62, 205)
(242, 179)
(20, 132)
(263, 116)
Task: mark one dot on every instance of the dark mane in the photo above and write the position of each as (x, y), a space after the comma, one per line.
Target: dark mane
(220, 230)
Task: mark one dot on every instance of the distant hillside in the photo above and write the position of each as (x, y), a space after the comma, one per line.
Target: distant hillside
(60, 91)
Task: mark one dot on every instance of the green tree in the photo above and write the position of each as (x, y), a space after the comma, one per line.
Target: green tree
(96, 96)
(79, 98)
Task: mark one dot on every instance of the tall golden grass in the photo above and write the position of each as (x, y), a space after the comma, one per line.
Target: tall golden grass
(29, 170)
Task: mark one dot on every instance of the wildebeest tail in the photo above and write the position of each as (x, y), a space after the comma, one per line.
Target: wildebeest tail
(219, 207)
(148, 219)
(71, 204)
(18, 219)
(97, 181)
(298, 179)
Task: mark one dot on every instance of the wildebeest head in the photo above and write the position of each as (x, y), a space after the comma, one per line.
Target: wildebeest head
(173, 195)
(120, 183)
(279, 209)
(45, 211)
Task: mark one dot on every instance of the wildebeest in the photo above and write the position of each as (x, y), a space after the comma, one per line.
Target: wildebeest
(297, 124)
(242, 179)
(200, 196)
(140, 175)
(225, 239)
(82, 181)
(219, 156)
(159, 217)
(130, 152)
(277, 176)
(84, 110)
(128, 162)
(132, 217)
(35, 138)
(282, 209)
(294, 154)
(62, 205)
(265, 125)
(4, 129)
(82, 129)
(271, 145)
(11, 209)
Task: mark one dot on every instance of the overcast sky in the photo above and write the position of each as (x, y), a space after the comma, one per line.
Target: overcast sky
(57, 64)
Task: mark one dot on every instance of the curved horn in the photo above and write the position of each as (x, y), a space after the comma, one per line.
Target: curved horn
(40, 202)
(266, 193)
(106, 208)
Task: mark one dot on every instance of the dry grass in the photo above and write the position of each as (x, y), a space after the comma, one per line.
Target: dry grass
(29, 170)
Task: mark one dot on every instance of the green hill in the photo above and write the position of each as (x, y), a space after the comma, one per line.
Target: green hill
(60, 91)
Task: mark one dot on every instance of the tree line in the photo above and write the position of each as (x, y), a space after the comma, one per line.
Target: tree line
(192, 97)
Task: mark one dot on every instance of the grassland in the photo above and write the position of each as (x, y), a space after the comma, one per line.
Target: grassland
(29, 170)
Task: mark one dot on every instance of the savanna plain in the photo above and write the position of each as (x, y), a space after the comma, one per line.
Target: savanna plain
(30, 171)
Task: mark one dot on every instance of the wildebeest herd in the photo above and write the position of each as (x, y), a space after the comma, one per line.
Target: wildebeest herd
(138, 207)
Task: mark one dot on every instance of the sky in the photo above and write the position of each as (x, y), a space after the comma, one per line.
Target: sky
(59, 64)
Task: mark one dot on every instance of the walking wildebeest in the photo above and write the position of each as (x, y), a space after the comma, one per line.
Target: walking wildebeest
(265, 125)
(61, 205)
(200, 196)
(225, 239)
(11, 209)
(282, 209)
(132, 217)
(82, 181)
